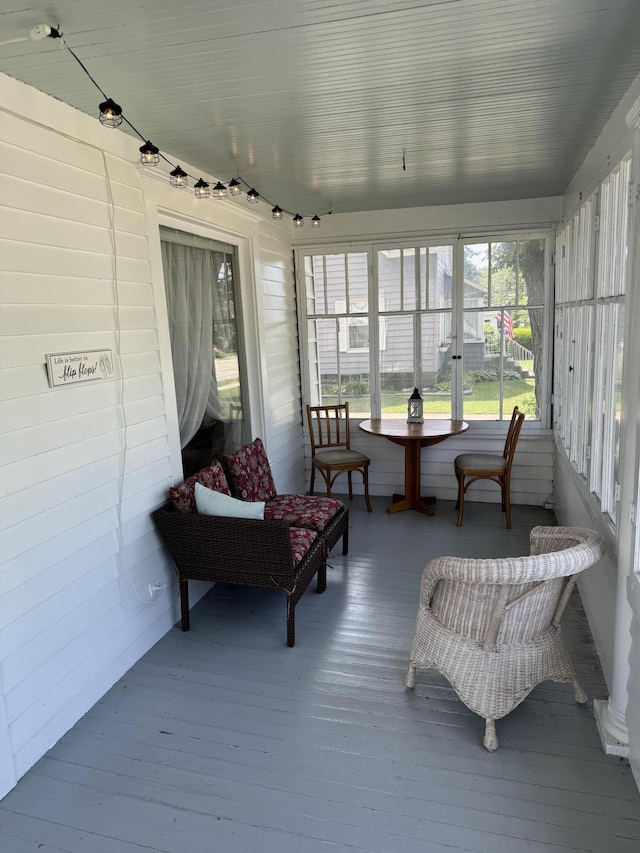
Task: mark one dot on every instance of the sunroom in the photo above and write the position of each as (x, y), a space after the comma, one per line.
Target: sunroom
(473, 169)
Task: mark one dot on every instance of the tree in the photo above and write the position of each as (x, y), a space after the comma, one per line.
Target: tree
(526, 257)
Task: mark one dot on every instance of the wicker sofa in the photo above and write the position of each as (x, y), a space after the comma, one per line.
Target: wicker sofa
(284, 551)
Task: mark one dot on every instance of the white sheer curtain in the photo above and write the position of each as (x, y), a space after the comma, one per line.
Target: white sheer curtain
(190, 275)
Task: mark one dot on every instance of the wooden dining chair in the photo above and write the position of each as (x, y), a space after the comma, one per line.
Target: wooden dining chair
(331, 451)
(490, 466)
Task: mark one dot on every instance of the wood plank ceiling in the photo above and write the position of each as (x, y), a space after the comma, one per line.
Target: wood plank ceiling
(317, 103)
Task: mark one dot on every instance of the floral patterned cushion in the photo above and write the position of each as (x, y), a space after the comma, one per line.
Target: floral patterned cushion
(213, 477)
(251, 473)
(303, 510)
(301, 541)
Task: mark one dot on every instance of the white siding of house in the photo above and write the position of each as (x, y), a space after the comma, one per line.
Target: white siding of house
(82, 467)
(281, 369)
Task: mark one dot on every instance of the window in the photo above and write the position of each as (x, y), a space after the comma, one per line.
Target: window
(610, 306)
(354, 329)
(574, 334)
(201, 304)
(338, 328)
(464, 321)
(589, 336)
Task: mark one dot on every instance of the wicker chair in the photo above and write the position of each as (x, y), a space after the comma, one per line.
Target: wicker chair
(492, 627)
(490, 466)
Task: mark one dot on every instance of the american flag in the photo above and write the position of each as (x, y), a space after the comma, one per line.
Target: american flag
(504, 318)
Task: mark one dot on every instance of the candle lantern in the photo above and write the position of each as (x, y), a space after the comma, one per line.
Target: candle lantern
(415, 409)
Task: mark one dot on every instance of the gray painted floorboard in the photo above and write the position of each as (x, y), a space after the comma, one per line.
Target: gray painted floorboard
(224, 739)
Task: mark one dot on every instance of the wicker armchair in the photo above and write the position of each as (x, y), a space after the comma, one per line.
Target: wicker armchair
(492, 627)
(242, 551)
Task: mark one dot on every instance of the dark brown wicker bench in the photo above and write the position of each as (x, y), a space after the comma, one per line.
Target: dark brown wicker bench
(239, 551)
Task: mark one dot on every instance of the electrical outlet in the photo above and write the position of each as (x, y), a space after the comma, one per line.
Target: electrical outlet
(156, 586)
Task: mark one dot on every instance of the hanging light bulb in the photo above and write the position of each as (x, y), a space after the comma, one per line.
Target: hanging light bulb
(178, 178)
(276, 213)
(315, 222)
(298, 221)
(149, 154)
(110, 113)
(253, 196)
(219, 191)
(235, 187)
(201, 189)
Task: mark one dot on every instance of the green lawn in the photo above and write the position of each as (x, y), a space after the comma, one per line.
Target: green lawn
(483, 400)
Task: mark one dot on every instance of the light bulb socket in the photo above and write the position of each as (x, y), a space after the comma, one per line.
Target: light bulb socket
(178, 178)
(201, 189)
(253, 196)
(315, 221)
(298, 221)
(276, 213)
(220, 191)
(110, 113)
(149, 154)
(235, 187)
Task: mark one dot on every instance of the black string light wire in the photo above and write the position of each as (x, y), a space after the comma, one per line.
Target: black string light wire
(111, 115)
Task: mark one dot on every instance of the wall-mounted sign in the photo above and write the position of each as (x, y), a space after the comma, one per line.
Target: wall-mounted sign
(69, 368)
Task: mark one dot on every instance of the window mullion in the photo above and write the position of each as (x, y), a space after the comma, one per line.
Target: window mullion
(374, 337)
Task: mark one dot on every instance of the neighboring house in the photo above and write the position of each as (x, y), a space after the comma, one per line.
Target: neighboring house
(84, 466)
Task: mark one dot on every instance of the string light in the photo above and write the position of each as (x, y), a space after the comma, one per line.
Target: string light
(149, 154)
(178, 178)
(111, 116)
(201, 189)
(220, 191)
(110, 113)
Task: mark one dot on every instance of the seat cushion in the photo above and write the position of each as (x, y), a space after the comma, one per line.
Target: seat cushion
(307, 511)
(301, 541)
(341, 457)
(250, 473)
(184, 494)
(481, 462)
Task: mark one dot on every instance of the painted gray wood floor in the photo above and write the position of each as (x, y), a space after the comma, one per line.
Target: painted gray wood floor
(223, 739)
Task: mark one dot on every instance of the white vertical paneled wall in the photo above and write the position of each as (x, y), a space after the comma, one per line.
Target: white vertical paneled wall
(281, 367)
(82, 467)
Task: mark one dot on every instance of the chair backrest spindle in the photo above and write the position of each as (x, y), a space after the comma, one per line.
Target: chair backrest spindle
(329, 426)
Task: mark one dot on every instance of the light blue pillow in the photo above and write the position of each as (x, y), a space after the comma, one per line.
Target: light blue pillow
(209, 502)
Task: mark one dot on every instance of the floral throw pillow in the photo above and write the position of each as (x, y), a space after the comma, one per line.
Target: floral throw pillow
(213, 477)
(250, 473)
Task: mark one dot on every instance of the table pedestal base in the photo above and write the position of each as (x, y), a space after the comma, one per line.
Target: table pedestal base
(423, 504)
(411, 498)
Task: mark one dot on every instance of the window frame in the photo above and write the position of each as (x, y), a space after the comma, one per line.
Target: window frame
(305, 253)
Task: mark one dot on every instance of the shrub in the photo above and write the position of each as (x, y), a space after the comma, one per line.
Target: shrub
(444, 385)
(486, 375)
(524, 338)
(356, 387)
